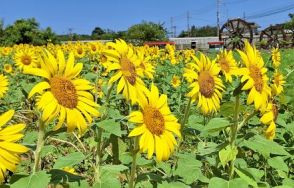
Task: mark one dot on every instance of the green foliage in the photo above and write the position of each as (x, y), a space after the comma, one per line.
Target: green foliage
(69, 160)
(204, 31)
(146, 31)
(26, 31)
(40, 179)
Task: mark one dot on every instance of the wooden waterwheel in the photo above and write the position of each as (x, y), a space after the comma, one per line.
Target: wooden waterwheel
(273, 36)
(234, 33)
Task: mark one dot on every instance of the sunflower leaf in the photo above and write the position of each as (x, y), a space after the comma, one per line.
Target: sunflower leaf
(216, 124)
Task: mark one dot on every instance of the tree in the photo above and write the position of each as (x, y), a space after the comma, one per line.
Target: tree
(146, 31)
(97, 32)
(26, 31)
(204, 31)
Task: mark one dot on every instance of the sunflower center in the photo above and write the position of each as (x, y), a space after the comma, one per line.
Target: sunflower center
(80, 51)
(93, 47)
(128, 70)
(224, 65)
(206, 84)
(256, 75)
(64, 91)
(26, 60)
(153, 120)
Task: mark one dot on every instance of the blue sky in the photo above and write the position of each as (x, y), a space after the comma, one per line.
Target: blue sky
(83, 15)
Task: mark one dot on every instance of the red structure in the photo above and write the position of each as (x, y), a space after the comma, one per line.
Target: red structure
(159, 43)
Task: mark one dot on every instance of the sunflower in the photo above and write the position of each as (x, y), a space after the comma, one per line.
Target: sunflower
(8, 68)
(63, 94)
(156, 125)
(25, 57)
(278, 83)
(145, 67)
(254, 77)
(5, 51)
(175, 81)
(227, 64)
(3, 85)
(207, 86)
(79, 50)
(269, 117)
(276, 57)
(123, 60)
(9, 150)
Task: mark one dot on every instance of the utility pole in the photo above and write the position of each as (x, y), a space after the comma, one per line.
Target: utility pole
(175, 30)
(244, 16)
(217, 16)
(172, 27)
(188, 23)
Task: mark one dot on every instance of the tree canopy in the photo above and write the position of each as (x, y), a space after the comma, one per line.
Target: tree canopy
(204, 31)
(26, 31)
(146, 31)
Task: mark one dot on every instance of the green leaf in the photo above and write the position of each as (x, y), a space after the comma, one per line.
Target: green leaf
(188, 167)
(278, 163)
(216, 182)
(245, 177)
(60, 176)
(111, 126)
(216, 124)
(176, 184)
(264, 146)
(255, 173)
(39, 179)
(288, 182)
(30, 137)
(69, 160)
(78, 184)
(205, 148)
(227, 154)
(109, 176)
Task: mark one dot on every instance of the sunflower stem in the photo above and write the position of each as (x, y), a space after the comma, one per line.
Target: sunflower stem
(115, 149)
(187, 109)
(234, 128)
(108, 94)
(40, 144)
(134, 164)
(98, 154)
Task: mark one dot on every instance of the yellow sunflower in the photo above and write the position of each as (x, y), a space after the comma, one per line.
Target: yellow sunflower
(123, 60)
(227, 64)
(206, 87)
(175, 81)
(63, 94)
(145, 67)
(276, 57)
(8, 68)
(9, 150)
(269, 117)
(25, 57)
(278, 83)
(79, 50)
(254, 76)
(5, 51)
(156, 125)
(3, 85)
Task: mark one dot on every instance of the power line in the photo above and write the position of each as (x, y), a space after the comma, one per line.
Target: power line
(271, 12)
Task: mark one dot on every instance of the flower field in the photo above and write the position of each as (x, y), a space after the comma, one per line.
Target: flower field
(118, 115)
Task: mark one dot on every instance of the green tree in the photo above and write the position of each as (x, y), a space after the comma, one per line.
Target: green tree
(204, 31)
(146, 31)
(97, 33)
(26, 31)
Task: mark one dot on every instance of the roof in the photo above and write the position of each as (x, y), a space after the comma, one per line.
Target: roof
(158, 43)
(216, 42)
